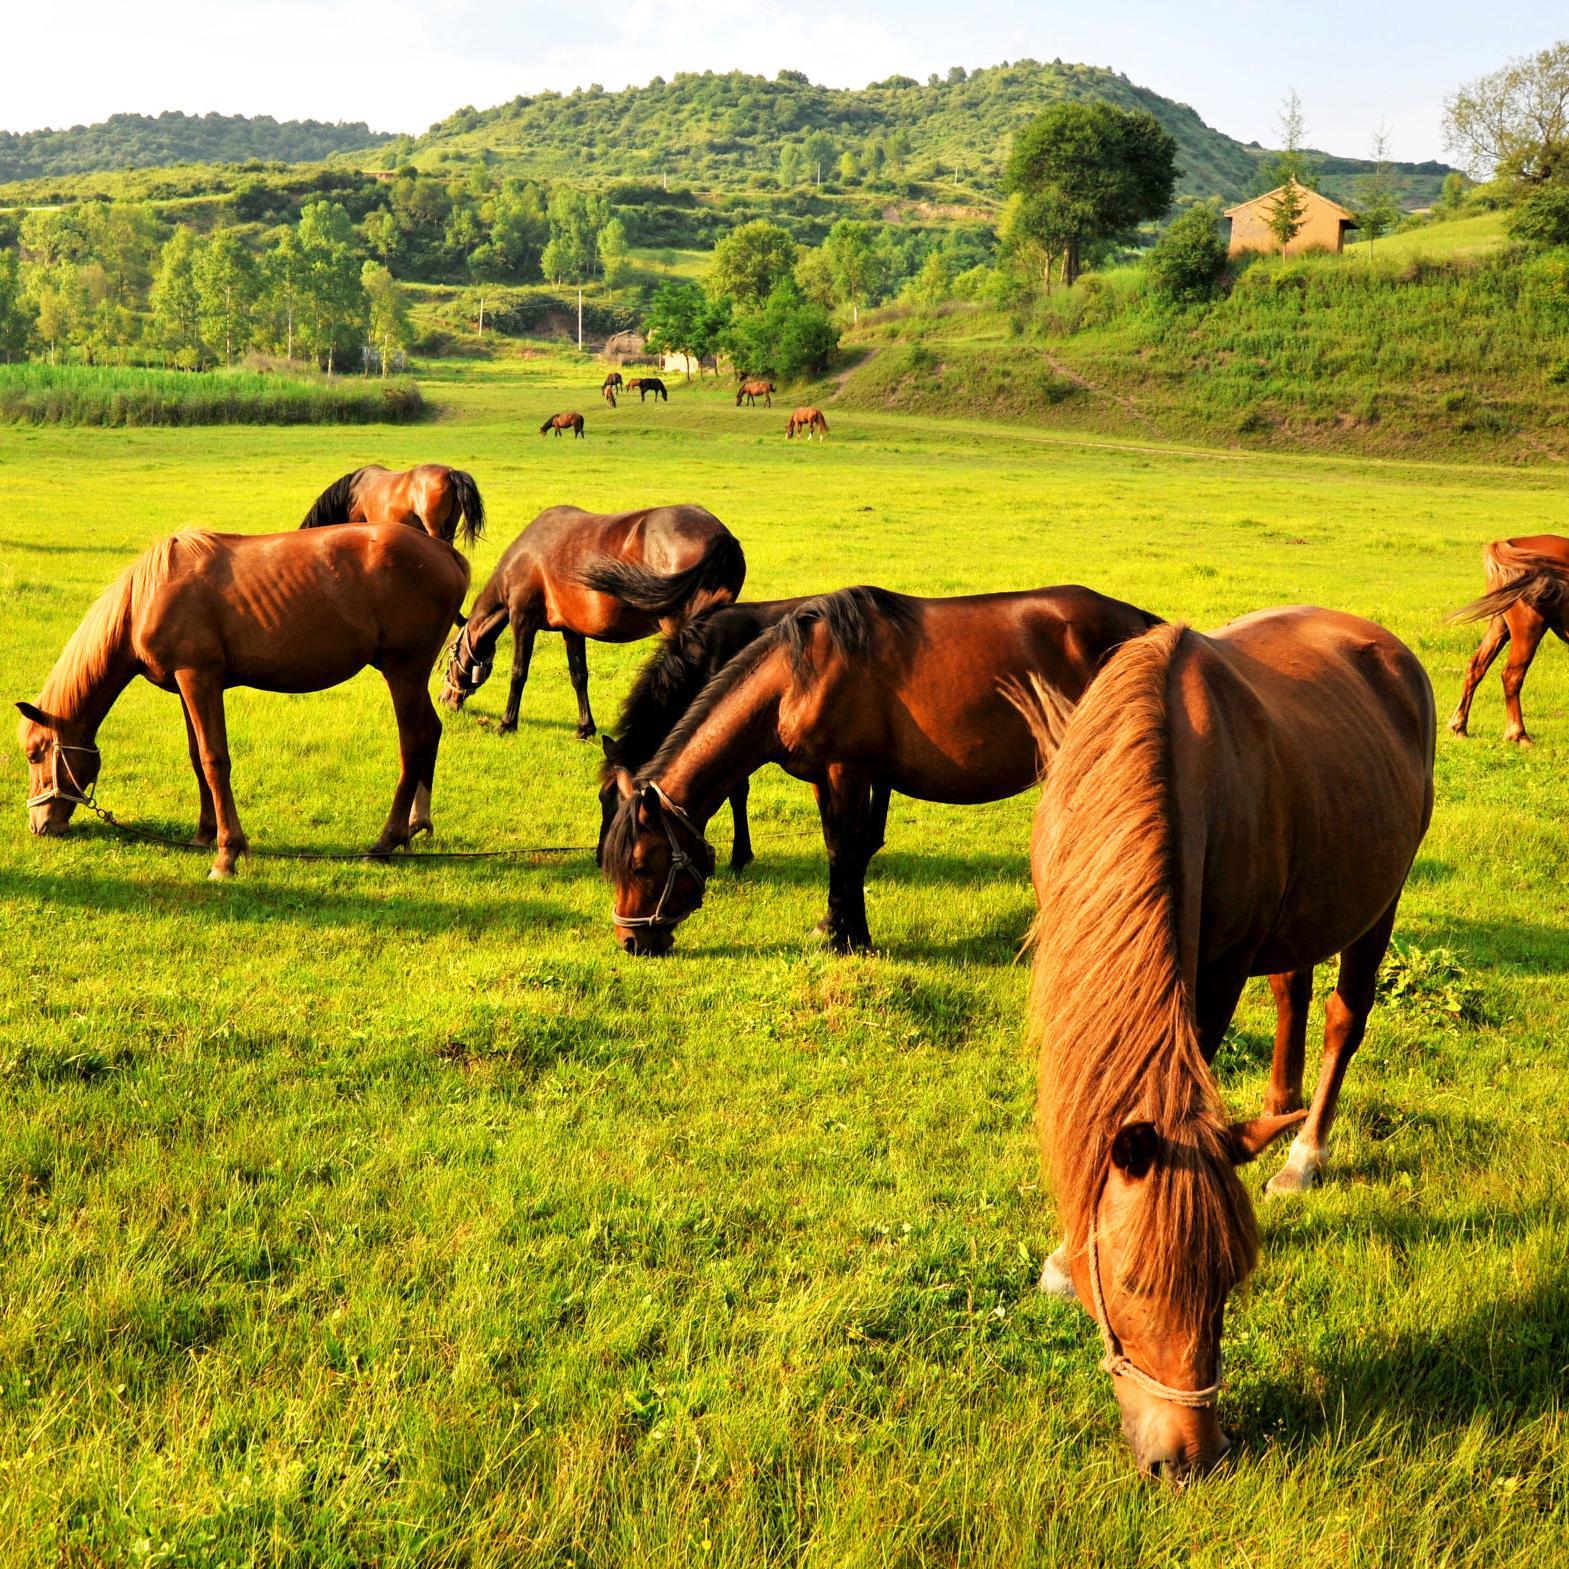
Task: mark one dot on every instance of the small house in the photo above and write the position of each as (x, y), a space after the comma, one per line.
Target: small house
(1324, 224)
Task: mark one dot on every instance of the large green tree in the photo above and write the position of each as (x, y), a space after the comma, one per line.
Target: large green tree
(750, 262)
(176, 301)
(15, 318)
(1514, 122)
(390, 329)
(226, 288)
(1089, 171)
(332, 299)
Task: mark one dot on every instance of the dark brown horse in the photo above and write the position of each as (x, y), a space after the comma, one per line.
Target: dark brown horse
(444, 502)
(809, 420)
(614, 577)
(201, 612)
(559, 422)
(1527, 596)
(612, 382)
(644, 385)
(855, 690)
(1244, 803)
(751, 391)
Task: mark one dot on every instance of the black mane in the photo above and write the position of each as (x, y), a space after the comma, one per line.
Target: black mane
(849, 617)
(332, 505)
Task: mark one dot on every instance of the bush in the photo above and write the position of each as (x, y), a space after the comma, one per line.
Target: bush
(1188, 259)
(1543, 218)
(788, 336)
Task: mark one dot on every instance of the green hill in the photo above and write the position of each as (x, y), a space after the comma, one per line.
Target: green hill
(140, 141)
(712, 131)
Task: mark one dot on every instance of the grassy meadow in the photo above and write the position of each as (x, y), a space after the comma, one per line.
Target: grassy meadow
(355, 1214)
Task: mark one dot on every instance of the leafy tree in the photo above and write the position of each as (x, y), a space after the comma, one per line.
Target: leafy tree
(849, 167)
(1287, 214)
(751, 261)
(331, 296)
(382, 234)
(176, 301)
(15, 318)
(1086, 172)
(283, 284)
(1514, 122)
(1293, 161)
(1378, 195)
(613, 257)
(519, 228)
(226, 289)
(786, 336)
(390, 330)
(1453, 194)
(55, 316)
(1543, 217)
(852, 263)
(932, 284)
(1186, 262)
(792, 163)
(818, 150)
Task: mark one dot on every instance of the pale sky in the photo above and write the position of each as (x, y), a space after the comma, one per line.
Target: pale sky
(401, 64)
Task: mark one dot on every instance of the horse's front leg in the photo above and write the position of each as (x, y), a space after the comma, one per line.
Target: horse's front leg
(419, 736)
(577, 668)
(207, 818)
(844, 804)
(202, 694)
(522, 653)
(741, 855)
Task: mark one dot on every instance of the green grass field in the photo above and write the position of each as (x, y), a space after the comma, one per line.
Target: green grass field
(355, 1214)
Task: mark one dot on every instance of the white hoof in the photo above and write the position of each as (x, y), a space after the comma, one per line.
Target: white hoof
(1304, 1169)
(1056, 1280)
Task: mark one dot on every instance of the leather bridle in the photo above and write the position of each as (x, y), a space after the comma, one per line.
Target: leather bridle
(76, 795)
(680, 862)
(477, 670)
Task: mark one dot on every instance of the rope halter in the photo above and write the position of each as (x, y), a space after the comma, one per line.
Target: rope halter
(467, 672)
(680, 862)
(76, 794)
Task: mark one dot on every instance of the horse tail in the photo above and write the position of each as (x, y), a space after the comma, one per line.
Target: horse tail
(715, 578)
(1543, 586)
(822, 421)
(332, 505)
(473, 508)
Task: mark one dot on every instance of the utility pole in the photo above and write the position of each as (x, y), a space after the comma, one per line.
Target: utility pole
(580, 318)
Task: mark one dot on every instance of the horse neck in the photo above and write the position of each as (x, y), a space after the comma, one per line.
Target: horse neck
(96, 665)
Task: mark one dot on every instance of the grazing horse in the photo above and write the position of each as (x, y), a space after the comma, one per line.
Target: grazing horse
(432, 497)
(561, 422)
(811, 420)
(1528, 595)
(612, 381)
(853, 691)
(752, 391)
(1244, 803)
(608, 392)
(201, 612)
(666, 687)
(643, 385)
(615, 577)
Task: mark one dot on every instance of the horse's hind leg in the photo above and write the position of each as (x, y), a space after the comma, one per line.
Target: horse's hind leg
(1526, 629)
(207, 820)
(1293, 996)
(522, 653)
(419, 736)
(1345, 1022)
(577, 668)
(202, 694)
(1493, 639)
(844, 804)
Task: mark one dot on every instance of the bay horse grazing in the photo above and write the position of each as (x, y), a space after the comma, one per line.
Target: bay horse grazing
(810, 420)
(560, 422)
(612, 382)
(1244, 803)
(853, 692)
(643, 385)
(753, 390)
(615, 577)
(1527, 596)
(201, 612)
(445, 502)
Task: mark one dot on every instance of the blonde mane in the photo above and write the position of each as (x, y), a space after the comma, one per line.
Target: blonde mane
(106, 628)
(1109, 1006)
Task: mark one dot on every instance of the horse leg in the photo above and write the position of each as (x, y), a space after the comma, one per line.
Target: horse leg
(522, 653)
(206, 821)
(577, 668)
(844, 804)
(1345, 1023)
(879, 823)
(419, 735)
(1293, 995)
(1526, 630)
(1493, 639)
(741, 855)
(202, 694)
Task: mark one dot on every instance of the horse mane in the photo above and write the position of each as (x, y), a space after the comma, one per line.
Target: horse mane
(332, 505)
(849, 618)
(1108, 1003)
(90, 649)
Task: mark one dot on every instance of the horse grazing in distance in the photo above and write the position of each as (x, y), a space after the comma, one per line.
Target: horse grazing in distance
(202, 612)
(643, 385)
(1527, 596)
(852, 692)
(608, 393)
(669, 683)
(560, 422)
(1244, 803)
(615, 577)
(753, 390)
(810, 420)
(444, 502)
(612, 382)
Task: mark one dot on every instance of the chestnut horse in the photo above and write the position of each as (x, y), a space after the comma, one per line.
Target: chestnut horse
(608, 393)
(753, 390)
(201, 612)
(615, 577)
(808, 419)
(1528, 595)
(643, 385)
(854, 690)
(432, 497)
(560, 422)
(1244, 803)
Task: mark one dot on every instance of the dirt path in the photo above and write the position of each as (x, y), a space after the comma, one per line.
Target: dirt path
(1127, 405)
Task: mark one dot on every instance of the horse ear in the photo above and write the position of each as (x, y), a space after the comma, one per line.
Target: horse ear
(1135, 1149)
(607, 745)
(30, 711)
(623, 777)
(1248, 1140)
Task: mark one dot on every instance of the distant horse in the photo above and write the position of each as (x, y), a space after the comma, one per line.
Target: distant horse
(202, 612)
(561, 422)
(613, 577)
(608, 393)
(1244, 803)
(669, 683)
(643, 385)
(1528, 595)
(612, 381)
(853, 691)
(808, 419)
(432, 497)
(752, 391)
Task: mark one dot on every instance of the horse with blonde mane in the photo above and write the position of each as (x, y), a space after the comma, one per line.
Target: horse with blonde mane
(443, 501)
(810, 420)
(1248, 802)
(298, 612)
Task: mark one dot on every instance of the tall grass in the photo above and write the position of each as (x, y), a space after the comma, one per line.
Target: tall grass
(95, 395)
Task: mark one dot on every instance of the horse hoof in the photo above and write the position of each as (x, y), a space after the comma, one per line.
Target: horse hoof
(505, 729)
(1056, 1281)
(586, 732)
(220, 872)
(1457, 726)
(739, 863)
(1520, 740)
(1292, 1178)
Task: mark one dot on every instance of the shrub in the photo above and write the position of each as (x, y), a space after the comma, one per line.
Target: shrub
(1431, 986)
(1543, 217)
(1188, 259)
